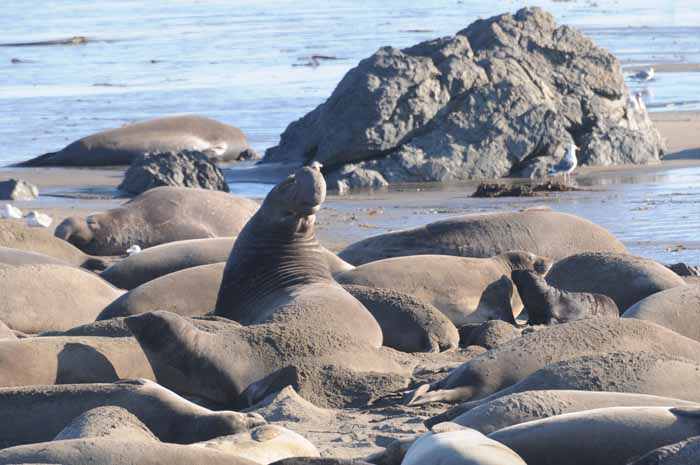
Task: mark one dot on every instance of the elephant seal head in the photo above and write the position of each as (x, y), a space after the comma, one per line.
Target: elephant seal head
(77, 231)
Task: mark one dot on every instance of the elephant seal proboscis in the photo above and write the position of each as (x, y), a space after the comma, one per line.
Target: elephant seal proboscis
(677, 309)
(299, 327)
(170, 134)
(542, 232)
(513, 361)
(466, 290)
(546, 305)
(170, 417)
(158, 216)
(608, 436)
(451, 444)
(625, 278)
(527, 406)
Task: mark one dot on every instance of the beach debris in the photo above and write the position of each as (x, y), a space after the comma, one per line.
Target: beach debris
(566, 165)
(76, 40)
(36, 219)
(489, 190)
(10, 212)
(133, 250)
(17, 189)
(644, 75)
(182, 169)
(315, 60)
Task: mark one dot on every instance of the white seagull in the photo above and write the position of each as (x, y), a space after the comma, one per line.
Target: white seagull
(566, 165)
(644, 76)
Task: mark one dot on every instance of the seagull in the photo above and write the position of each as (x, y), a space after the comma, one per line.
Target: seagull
(644, 76)
(566, 165)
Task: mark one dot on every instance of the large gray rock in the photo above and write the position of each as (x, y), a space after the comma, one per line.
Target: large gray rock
(504, 96)
(182, 169)
(17, 189)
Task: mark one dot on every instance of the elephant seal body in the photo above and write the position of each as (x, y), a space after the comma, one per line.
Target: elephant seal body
(170, 417)
(450, 444)
(318, 461)
(542, 232)
(16, 235)
(264, 444)
(681, 453)
(101, 451)
(158, 216)
(609, 436)
(546, 305)
(513, 361)
(38, 298)
(624, 278)
(164, 259)
(527, 406)
(408, 324)
(105, 422)
(189, 292)
(172, 134)
(466, 290)
(299, 327)
(677, 309)
(17, 257)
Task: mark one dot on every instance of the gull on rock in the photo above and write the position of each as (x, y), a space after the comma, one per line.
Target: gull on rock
(566, 165)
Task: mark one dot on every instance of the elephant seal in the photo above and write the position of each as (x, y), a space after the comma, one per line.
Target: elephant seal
(38, 298)
(264, 444)
(320, 461)
(681, 453)
(451, 444)
(16, 235)
(408, 324)
(18, 257)
(677, 309)
(105, 422)
(466, 290)
(158, 216)
(513, 361)
(6, 332)
(101, 451)
(542, 232)
(164, 259)
(546, 305)
(299, 327)
(170, 417)
(608, 436)
(626, 279)
(189, 292)
(527, 406)
(171, 134)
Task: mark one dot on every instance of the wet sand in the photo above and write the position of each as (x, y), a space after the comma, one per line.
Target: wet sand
(612, 193)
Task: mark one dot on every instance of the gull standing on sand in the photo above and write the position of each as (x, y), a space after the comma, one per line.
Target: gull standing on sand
(644, 76)
(566, 165)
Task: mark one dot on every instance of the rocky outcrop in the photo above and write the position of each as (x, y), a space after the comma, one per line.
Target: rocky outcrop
(504, 96)
(183, 169)
(17, 189)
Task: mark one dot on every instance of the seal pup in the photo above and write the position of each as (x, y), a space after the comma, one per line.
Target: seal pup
(677, 309)
(170, 134)
(170, 417)
(513, 361)
(542, 232)
(158, 216)
(608, 436)
(466, 290)
(625, 278)
(452, 444)
(546, 305)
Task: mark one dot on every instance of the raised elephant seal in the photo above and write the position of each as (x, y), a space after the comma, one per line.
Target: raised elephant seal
(626, 279)
(38, 298)
(466, 290)
(105, 422)
(677, 309)
(158, 216)
(608, 436)
(542, 232)
(170, 417)
(527, 406)
(300, 327)
(17, 235)
(513, 361)
(451, 444)
(264, 444)
(546, 305)
(408, 324)
(171, 134)
(685, 452)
